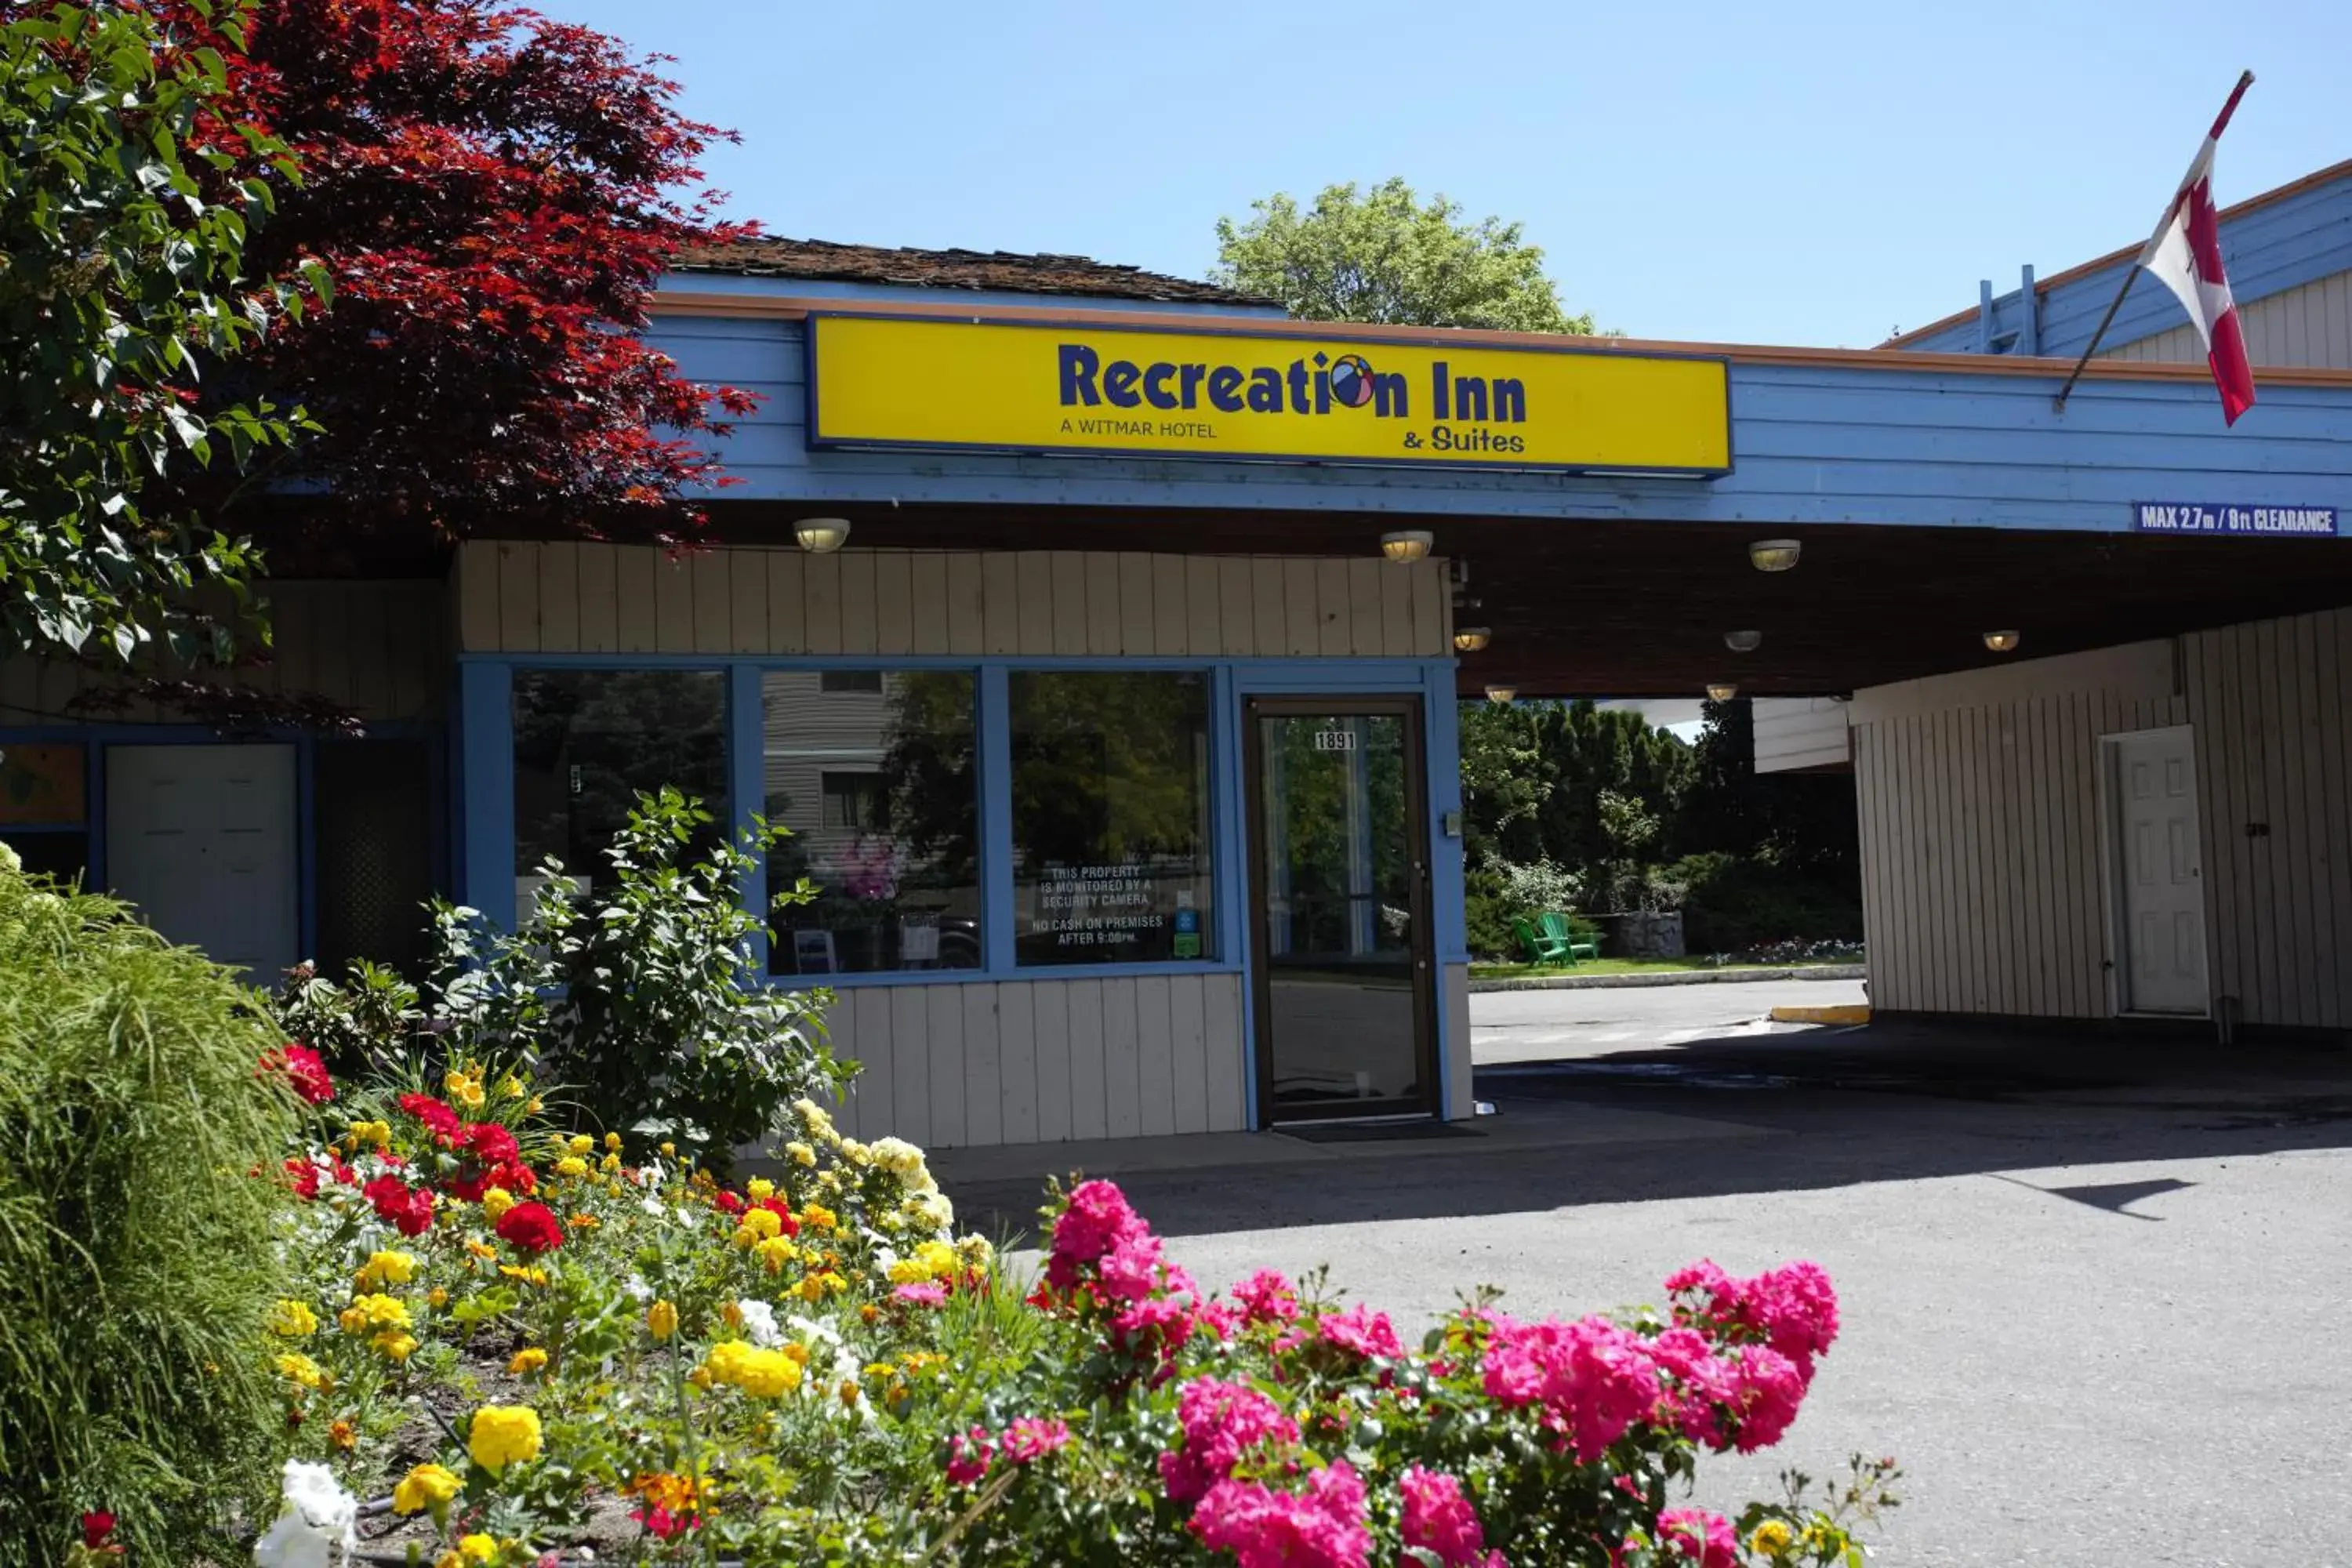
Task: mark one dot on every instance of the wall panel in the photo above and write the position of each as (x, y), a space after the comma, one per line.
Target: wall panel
(600, 598)
(1984, 883)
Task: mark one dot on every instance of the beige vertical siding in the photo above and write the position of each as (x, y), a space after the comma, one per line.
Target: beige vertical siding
(379, 649)
(1044, 1061)
(1984, 885)
(2309, 328)
(612, 598)
(2269, 701)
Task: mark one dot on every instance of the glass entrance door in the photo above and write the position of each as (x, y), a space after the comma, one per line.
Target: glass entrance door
(1339, 861)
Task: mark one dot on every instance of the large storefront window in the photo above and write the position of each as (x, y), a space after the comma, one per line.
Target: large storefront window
(589, 741)
(873, 771)
(1110, 816)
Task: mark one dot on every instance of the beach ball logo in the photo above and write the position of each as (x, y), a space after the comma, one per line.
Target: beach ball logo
(1351, 381)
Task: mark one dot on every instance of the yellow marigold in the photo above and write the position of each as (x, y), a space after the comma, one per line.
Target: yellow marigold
(503, 1435)
(342, 1435)
(571, 1165)
(800, 1152)
(579, 1142)
(478, 1248)
(762, 1223)
(849, 1393)
(296, 1367)
(774, 1253)
(661, 1320)
(612, 1143)
(292, 1319)
(383, 1268)
(700, 1378)
(761, 1374)
(477, 1548)
(530, 1358)
(496, 1201)
(732, 1313)
(869, 1314)
(438, 1297)
(662, 1488)
(940, 1259)
(373, 1311)
(523, 1276)
(910, 1271)
(610, 1162)
(583, 1220)
(1772, 1538)
(426, 1486)
(760, 1188)
(371, 1134)
(395, 1345)
(816, 1217)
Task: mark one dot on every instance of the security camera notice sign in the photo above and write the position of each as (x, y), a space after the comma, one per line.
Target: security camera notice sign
(2208, 517)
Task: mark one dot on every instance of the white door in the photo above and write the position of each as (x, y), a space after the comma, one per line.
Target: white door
(2164, 891)
(202, 839)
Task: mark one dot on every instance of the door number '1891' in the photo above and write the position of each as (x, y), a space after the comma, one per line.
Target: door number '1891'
(1335, 740)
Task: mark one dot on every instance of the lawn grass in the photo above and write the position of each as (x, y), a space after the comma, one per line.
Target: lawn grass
(1631, 966)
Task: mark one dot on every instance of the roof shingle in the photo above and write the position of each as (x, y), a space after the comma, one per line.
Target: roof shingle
(997, 270)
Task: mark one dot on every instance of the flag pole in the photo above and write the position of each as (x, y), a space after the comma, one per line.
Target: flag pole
(2131, 271)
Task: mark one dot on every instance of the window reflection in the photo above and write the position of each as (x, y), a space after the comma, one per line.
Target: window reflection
(1110, 816)
(589, 741)
(873, 773)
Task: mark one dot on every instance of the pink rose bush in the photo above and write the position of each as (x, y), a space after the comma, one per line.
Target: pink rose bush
(1270, 1427)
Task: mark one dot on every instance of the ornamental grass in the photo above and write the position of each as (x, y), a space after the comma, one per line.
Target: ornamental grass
(136, 1255)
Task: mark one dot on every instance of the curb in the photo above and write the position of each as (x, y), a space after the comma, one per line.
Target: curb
(1672, 977)
(1833, 1015)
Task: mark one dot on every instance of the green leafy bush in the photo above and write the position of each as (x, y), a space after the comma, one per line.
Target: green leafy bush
(136, 1239)
(1732, 903)
(1502, 892)
(639, 997)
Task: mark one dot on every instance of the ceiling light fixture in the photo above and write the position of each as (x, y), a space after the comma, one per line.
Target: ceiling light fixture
(1775, 554)
(1501, 693)
(2000, 642)
(822, 536)
(1471, 639)
(1743, 642)
(1721, 691)
(1407, 545)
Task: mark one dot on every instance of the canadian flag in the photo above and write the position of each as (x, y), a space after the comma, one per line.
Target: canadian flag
(2185, 256)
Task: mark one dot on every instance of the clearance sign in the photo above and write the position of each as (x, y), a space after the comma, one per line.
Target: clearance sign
(902, 381)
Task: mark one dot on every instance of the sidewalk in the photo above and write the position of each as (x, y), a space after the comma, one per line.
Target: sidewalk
(1673, 977)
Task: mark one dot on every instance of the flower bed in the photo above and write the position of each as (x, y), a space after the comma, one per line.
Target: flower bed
(500, 1345)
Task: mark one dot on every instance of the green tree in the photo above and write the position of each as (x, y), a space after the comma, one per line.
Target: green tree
(124, 200)
(1384, 255)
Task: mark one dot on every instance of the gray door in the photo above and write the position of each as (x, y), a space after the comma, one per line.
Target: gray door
(202, 838)
(2163, 883)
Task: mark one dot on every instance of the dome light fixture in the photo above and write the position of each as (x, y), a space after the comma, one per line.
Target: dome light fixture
(1407, 545)
(1471, 639)
(1775, 554)
(1721, 691)
(1743, 642)
(822, 536)
(1501, 694)
(2000, 642)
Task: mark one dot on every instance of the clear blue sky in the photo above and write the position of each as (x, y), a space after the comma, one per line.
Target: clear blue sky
(1800, 172)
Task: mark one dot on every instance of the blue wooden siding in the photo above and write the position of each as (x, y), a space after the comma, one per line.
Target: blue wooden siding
(2280, 245)
(1812, 442)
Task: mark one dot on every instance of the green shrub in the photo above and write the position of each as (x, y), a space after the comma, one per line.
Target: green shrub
(1502, 892)
(136, 1237)
(1732, 903)
(639, 997)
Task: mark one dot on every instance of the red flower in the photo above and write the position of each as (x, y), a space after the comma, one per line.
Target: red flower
(438, 1119)
(304, 1176)
(304, 1073)
(783, 1214)
(472, 1186)
(95, 1528)
(487, 1141)
(410, 1209)
(531, 1226)
(728, 1203)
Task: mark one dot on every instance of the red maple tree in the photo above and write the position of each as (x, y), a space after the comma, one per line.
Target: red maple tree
(493, 195)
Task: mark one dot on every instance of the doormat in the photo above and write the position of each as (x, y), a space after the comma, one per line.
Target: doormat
(1376, 1132)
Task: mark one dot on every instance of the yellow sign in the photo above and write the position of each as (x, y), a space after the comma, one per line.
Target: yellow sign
(1298, 397)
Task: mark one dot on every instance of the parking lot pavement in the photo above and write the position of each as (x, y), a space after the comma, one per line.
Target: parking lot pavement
(2091, 1288)
(1528, 1025)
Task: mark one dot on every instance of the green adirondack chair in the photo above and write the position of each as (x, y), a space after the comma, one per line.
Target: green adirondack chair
(1563, 936)
(1541, 949)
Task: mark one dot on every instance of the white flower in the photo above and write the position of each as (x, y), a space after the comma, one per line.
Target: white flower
(636, 1289)
(810, 1329)
(934, 1207)
(9, 860)
(319, 1517)
(760, 1322)
(898, 1156)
